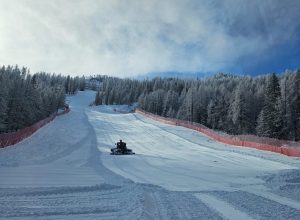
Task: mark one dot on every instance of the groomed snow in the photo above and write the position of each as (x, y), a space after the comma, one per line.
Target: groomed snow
(65, 171)
(182, 164)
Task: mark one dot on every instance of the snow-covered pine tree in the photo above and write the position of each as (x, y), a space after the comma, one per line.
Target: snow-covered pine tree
(183, 105)
(212, 120)
(3, 100)
(170, 104)
(295, 107)
(99, 98)
(270, 122)
(82, 84)
(239, 111)
(26, 99)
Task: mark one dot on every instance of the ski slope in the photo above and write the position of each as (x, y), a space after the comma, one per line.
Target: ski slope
(65, 171)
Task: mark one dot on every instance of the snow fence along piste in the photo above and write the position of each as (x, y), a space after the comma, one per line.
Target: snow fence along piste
(288, 148)
(7, 139)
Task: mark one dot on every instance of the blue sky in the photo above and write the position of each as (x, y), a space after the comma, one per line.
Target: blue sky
(127, 38)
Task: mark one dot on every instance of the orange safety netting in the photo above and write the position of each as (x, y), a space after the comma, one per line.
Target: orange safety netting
(289, 148)
(7, 139)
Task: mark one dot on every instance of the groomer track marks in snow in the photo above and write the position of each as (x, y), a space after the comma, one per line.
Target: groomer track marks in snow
(71, 174)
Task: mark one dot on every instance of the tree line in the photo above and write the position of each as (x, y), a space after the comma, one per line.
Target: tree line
(267, 105)
(27, 98)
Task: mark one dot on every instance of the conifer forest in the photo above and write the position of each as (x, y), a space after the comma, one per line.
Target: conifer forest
(27, 98)
(267, 105)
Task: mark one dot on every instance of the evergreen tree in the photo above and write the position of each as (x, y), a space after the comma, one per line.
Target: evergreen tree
(26, 99)
(239, 111)
(295, 107)
(99, 98)
(270, 122)
(3, 102)
(82, 84)
(212, 119)
(262, 127)
(170, 104)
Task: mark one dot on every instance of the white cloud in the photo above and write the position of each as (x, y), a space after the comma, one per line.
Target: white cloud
(125, 38)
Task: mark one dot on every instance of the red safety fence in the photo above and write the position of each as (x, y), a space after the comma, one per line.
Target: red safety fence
(289, 148)
(7, 139)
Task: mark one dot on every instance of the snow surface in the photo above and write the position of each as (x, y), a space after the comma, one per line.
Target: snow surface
(65, 171)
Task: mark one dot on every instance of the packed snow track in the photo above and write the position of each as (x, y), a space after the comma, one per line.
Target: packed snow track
(65, 171)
